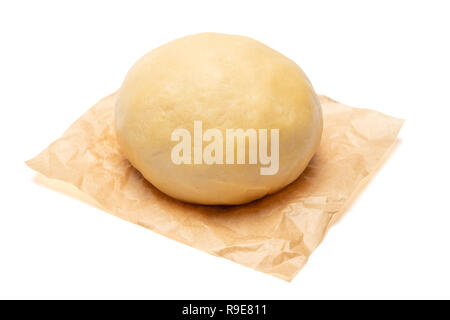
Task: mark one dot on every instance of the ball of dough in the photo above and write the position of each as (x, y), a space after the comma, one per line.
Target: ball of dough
(174, 94)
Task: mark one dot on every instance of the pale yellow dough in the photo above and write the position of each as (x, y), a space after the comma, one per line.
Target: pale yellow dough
(227, 82)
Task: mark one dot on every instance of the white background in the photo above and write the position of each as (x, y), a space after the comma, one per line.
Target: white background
(58, 58)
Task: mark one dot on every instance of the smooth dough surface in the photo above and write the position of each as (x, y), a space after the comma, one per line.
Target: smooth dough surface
(227, 82)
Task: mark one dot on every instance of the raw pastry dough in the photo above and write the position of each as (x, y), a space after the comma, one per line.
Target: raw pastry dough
(223, 82)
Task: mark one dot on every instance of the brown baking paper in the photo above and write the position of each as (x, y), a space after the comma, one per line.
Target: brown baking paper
(274, 235)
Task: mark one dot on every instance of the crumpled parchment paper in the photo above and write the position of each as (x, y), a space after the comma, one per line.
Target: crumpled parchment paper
(274, 235)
